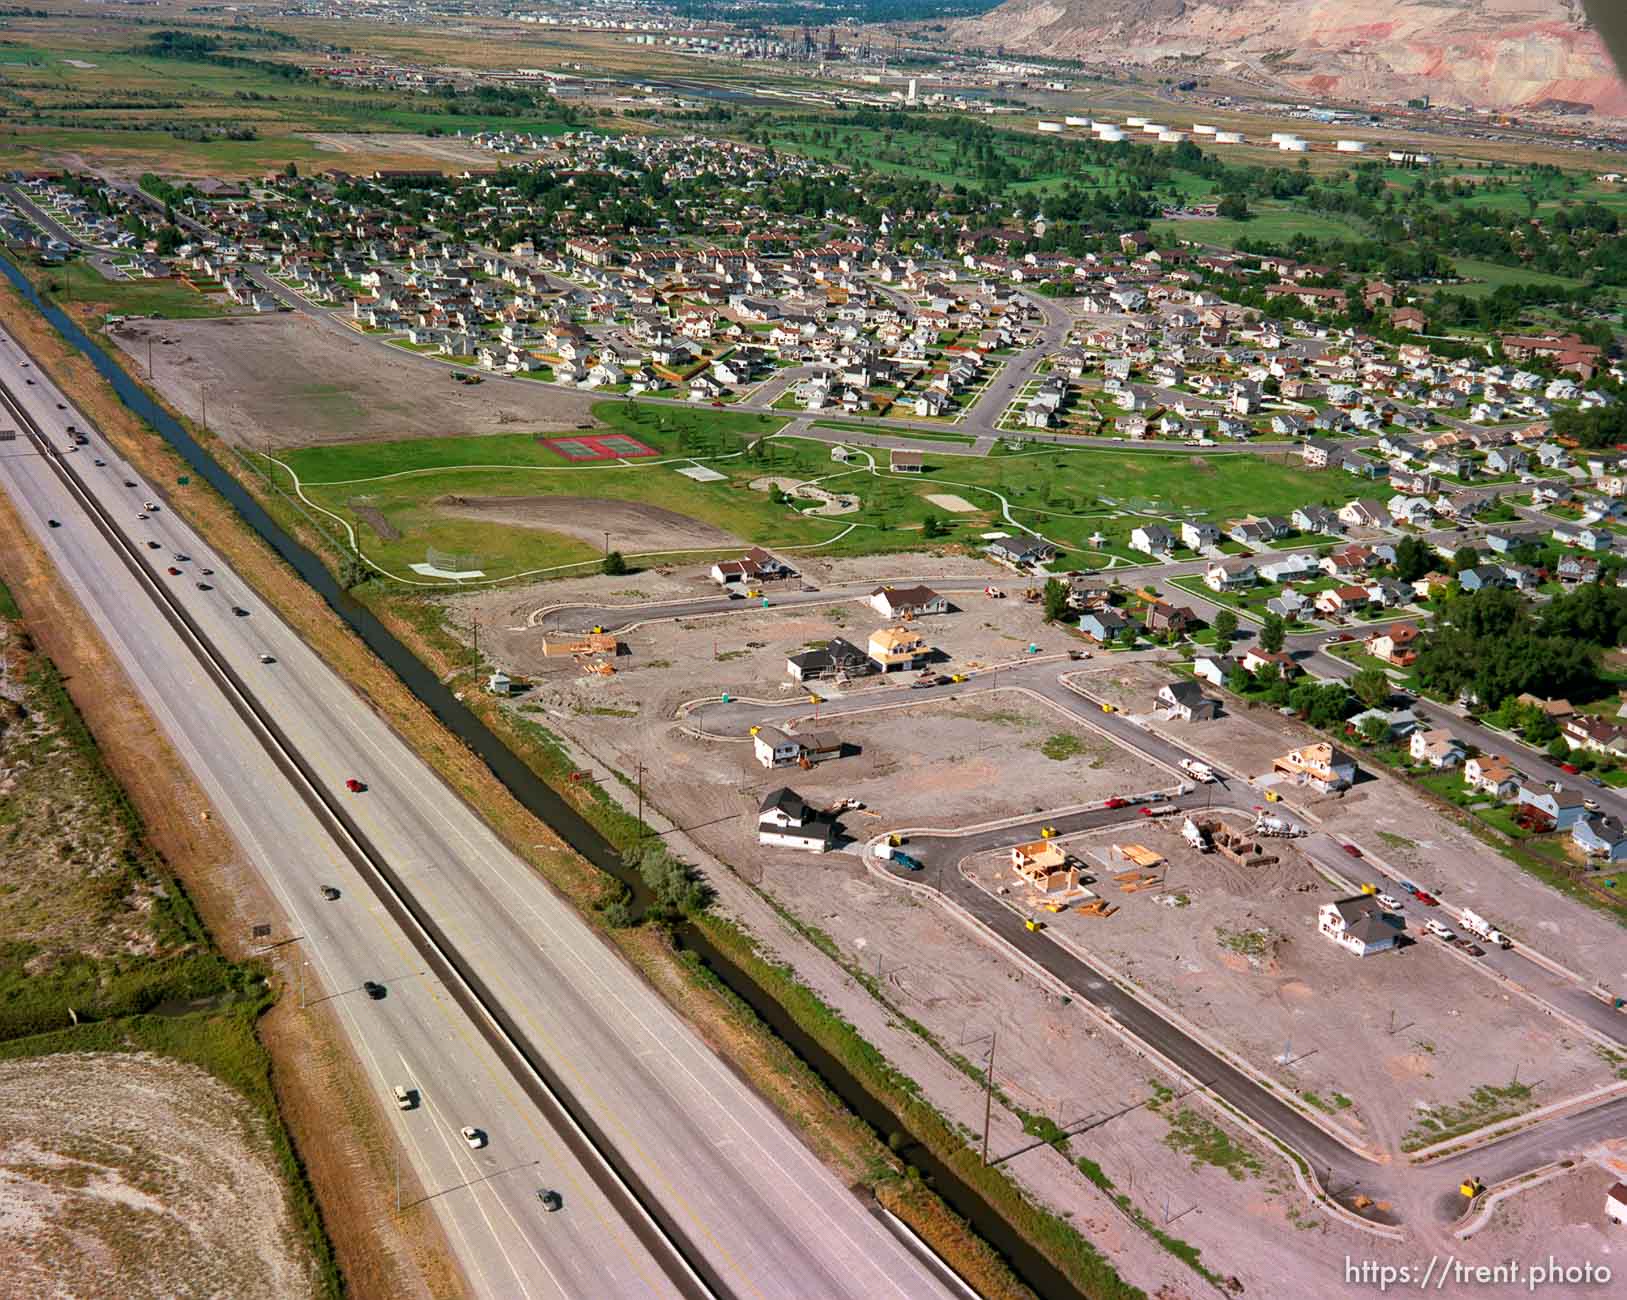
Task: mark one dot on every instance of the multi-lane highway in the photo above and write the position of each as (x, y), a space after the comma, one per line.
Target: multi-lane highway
(736, 1193)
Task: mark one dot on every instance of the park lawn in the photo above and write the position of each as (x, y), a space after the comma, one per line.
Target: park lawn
(1486, 277)
(1270, 224)
(926, 435)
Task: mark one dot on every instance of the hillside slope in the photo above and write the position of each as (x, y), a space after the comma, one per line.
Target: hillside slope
(1484, 53)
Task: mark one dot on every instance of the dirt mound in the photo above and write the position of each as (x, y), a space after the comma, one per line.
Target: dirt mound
(632, 525)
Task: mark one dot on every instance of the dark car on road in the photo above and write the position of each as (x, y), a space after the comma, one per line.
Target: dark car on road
(373, 989)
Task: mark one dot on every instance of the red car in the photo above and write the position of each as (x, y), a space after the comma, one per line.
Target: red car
(1352, 850)
(1116, 802)
(1428, 900)
(1571, 768)
(353, 785)
(174, 572)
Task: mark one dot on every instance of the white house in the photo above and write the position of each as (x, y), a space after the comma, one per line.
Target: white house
(912, 602)
(1359, 924)
(1437, 747)
(785, 821)
(774, 748)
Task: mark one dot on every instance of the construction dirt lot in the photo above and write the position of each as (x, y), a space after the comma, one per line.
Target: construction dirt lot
(1235, 950)
(285, 379)
(140, 1169)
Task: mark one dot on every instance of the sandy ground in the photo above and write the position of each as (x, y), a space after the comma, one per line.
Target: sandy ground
(285, 380)
(141, 1169)
(632, 525)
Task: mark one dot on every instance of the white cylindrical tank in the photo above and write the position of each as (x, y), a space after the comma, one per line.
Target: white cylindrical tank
(1203, 128)
(1050, 126)
(1294, 146)
(1110, 133)
(1171, 137)
(1351, 146)
(1277, 137)
(1228, 137)
(1135, 121)
(1153, 128)
(1077, 121)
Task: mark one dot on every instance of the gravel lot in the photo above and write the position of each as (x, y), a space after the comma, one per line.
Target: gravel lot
(135, 1176)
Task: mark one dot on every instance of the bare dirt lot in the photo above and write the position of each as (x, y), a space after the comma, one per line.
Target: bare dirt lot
(635, 526)
(456, 153)
(287, 380)
(1235, 950)
(143, 1170)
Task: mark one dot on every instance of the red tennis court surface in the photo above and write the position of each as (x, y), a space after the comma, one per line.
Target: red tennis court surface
(605, 446)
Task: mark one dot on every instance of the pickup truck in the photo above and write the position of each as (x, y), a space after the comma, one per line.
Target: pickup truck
(906, 861)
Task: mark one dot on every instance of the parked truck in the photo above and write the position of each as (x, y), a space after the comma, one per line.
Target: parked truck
(1478, 926)
(1200, 772)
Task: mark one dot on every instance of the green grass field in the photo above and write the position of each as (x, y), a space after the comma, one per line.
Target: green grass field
(1486, 277)
(1066, 494)
(1271, 224)
(78, 283)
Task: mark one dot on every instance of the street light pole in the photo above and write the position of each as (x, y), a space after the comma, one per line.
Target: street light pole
(988, 1095)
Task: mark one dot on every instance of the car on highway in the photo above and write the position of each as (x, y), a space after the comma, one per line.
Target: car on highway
(204, 586)
(1440, 930)
(206, 572)
(1116, 802)
(1592, 805)
(154, 546)
(473, 1136)
(265, 659)
(1571, 769)
(129, 483)
(240, 611)
(329, 893)
(181, 557)
(173, 571)
(551, 1200)
(1389, 902)
(355, 786)
(143, 515)
(1426, 898)
(62, 406)
(54, 523)
(1474, 950)
(100, 461)
(149, 505)
(373, 989)
(1351, 849)
(405, 1097)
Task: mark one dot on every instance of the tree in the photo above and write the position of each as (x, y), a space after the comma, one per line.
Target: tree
(1225, 628)
(1465, 557)
(1413, 559)
(1374, 729)
(676, 891)
(1239, 680)
(1233, 207)
(1558, 750)
(615, 564)
(290, 171)
(1055, 597)
(1372, 687)
(1272, 633)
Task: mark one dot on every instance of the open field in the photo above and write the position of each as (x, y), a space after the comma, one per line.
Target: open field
(1060, 493)
(83, 288)
(140, 1169)
(1272, 223)
(286, 380)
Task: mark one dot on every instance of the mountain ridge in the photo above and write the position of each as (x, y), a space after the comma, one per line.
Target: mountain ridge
(1502, 54)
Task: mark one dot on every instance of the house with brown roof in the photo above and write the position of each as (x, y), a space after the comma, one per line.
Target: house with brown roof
(1396, 644)
(907, 602)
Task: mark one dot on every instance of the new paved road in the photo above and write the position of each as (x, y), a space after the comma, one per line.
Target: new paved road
(762, 1213)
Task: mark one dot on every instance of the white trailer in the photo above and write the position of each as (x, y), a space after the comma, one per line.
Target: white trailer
(1201, 772)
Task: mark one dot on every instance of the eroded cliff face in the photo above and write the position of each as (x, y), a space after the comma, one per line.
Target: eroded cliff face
(1482, 53)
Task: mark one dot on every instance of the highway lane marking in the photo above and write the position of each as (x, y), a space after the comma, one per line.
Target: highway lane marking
(728, 1115)
(481, 1181)
(553, 1144)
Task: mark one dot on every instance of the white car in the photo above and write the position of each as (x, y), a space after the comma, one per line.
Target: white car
(1389, 902)
(474, 1137)
(1440, 931)
(149, 505)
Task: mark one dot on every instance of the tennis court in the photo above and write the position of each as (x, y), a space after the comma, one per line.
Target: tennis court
(590, 447)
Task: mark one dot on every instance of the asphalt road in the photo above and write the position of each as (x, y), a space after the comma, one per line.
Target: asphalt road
(767, 1218)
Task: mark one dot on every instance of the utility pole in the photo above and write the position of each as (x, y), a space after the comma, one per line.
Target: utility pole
(988, 1096)
(203, 399)
(607, 542)
(641, 801)
(396, 1147)
(149, 354)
